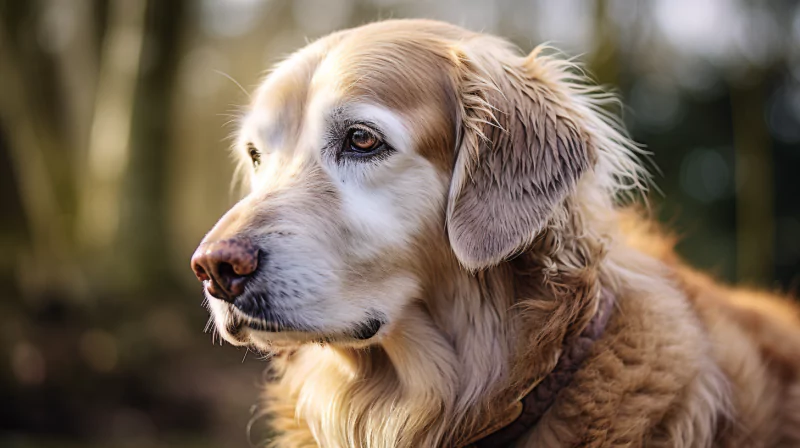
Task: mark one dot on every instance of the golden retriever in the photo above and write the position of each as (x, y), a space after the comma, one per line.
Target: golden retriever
(433, 250)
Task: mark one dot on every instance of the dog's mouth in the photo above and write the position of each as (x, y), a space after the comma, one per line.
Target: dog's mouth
(361, 331)
(245, 329)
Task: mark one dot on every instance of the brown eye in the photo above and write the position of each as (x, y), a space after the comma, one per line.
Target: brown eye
(363, 141)
(254, 154)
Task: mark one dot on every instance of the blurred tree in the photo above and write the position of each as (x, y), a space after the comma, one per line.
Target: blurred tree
(31, 121)
(755, 223)
(107, 158)
(144, 225)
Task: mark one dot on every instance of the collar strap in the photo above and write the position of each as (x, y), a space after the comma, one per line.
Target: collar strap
(525, 412)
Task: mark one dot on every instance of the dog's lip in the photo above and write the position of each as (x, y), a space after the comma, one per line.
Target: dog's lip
(269, 327)
(244, 328)
(240, 320)
(244, 319)
(361, 332)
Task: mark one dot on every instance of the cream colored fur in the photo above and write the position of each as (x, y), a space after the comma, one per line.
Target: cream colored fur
(484, 240)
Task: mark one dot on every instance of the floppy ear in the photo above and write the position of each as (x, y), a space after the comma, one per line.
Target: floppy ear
(521, 152)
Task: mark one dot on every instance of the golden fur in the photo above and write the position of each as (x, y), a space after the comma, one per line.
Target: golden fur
(519, 232)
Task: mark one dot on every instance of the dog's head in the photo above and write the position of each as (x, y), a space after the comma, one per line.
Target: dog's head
(375, 155)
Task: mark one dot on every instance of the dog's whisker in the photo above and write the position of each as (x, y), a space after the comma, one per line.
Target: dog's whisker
(235, 82)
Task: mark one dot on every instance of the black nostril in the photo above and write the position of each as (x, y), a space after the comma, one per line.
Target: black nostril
(200, 272)
(232, 283)
(226, 272)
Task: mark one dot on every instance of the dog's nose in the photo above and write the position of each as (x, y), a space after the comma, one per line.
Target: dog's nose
(227, 265)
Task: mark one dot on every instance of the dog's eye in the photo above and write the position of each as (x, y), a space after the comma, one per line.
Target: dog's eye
(254, 154)
(363, 141)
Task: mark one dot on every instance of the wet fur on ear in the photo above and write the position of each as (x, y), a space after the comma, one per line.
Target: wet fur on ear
(521, 153)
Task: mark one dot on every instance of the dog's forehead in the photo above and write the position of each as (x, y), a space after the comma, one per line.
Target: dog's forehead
(276, 112)
(398, 69)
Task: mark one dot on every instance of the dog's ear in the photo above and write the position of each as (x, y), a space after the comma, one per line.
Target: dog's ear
(520, 154)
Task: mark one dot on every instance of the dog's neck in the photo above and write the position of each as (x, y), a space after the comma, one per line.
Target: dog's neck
(458, 356)
(507, 325)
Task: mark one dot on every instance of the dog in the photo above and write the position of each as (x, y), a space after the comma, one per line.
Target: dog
(434, 250)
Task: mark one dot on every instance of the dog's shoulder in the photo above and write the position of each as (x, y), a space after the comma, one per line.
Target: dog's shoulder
(752, 336)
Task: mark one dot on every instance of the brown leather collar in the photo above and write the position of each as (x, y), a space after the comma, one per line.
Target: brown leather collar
(526, 411)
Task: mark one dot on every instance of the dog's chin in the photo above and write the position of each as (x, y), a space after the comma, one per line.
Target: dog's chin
(244, 330)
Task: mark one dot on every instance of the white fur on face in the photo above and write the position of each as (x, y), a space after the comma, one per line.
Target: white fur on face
(332, 264)
(385, 203)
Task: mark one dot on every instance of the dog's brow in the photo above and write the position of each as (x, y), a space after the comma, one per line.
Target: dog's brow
(262, 133)
(338, 112)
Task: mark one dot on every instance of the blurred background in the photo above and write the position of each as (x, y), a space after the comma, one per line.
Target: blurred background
(113, 163)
